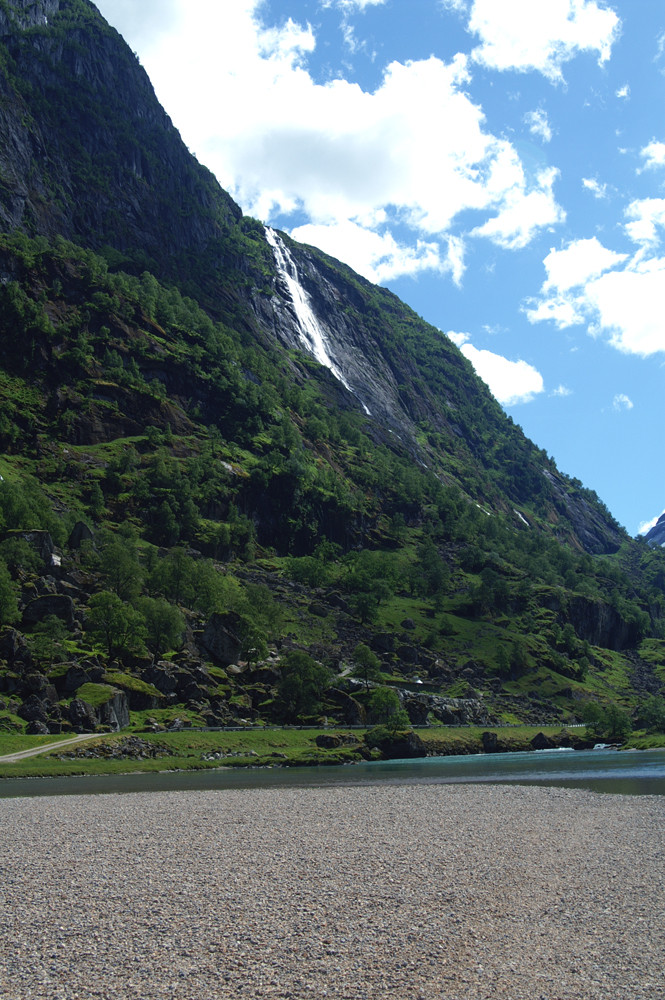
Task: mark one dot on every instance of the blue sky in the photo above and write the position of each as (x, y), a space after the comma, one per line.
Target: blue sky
(499, 164)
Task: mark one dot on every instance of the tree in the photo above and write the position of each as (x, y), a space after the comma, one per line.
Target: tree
(434, 573)
(120, 566)
(302, 684)
(593, 715)
(47, 642)
(617, 723)
(519, 658)
(365, 606)
(164, 624)
(651, 714)
(174, 576)
(19, 554)
(8, 593)
(609, 723)
(367, 663)
(502, 662)
(119, 626)
(385, 708)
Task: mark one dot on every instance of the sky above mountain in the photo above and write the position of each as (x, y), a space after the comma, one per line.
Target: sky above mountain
(499, 164)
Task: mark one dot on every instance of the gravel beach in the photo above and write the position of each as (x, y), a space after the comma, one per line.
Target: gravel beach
(422, 891)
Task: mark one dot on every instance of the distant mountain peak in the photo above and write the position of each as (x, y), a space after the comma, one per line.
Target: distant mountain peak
(656, 535)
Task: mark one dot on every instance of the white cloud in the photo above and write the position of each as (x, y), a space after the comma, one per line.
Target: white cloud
(525, 210)
(561, 311)
(585, 285)
(455, 258)
(623, 92)
(140, 23)
(524, 35)
(510, 382)
(653, 154)
(597, 189)
(646, 526)
(562, 391)
(458, 338)
(412, 155)
(628, 306)
(376, 256)
(647, 215)
(660, 46)
(538, 124)
(622, 402)
(348, 5)
(580, 261)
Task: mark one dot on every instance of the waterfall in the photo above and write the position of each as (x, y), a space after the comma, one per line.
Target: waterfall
(311, 334)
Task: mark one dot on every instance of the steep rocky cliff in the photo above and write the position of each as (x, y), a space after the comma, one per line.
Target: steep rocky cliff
(86, 151)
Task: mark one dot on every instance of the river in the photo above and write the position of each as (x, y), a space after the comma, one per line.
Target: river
(629, 772)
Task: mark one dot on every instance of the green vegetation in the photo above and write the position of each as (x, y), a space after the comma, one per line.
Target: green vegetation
(610, 723)
(201, 526)
(191, 750)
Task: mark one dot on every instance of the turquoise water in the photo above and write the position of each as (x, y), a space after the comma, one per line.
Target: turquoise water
(630, 772)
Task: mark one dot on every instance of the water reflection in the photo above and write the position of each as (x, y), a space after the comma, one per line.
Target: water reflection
(631, 772)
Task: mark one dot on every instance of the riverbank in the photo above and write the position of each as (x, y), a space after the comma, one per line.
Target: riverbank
(461, 892)
(192, 749)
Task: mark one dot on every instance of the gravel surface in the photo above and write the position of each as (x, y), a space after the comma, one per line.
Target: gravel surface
(365, 893)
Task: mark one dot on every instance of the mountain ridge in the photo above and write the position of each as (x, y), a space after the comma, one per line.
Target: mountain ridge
(166, 421)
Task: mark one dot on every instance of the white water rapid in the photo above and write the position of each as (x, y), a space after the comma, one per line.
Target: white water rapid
(311, 334)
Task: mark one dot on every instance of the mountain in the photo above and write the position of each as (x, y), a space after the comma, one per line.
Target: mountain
(239, 479)
(656, 535)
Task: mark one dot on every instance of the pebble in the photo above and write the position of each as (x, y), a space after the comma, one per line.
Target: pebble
(423, 892)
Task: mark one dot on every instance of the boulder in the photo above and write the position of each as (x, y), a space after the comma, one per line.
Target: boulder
(50, 604)
(80, 533)
(490, 742)
(82, 716)
(407, 654)
(115, 712)
(13, 647)
(163, 675)
(417, 710)
(219, 640)
(35, 683)
(542, 742)
(88, 672)
(383, 642)
(34, 709)
(351, 710)
(401, 745)
(328, 741)
(37, 728)
(335, 600)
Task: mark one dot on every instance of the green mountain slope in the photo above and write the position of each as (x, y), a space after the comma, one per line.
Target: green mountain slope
(197, 519)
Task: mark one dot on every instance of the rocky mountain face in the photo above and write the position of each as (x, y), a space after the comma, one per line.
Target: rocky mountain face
(86, 151)
(266, 434)
(656, 535)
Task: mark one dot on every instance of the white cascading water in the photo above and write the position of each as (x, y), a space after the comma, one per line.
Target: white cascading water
(311, 334)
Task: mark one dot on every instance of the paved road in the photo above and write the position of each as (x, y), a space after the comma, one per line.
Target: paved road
(44, 748)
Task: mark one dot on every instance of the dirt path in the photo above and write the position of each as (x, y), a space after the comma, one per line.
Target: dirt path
(44, 748)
